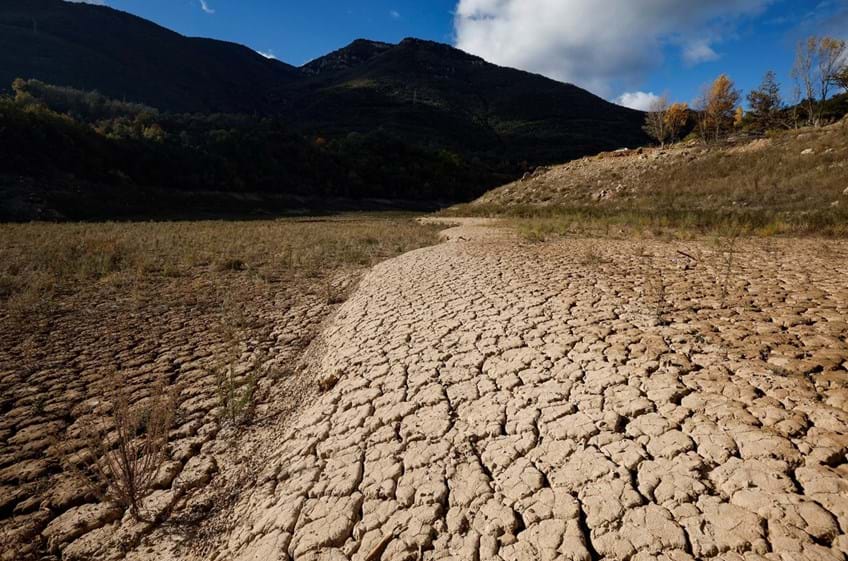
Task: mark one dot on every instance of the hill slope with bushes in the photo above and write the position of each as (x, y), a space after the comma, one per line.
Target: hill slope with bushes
(789, 181)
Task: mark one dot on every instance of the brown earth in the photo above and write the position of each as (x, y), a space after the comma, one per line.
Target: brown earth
(793, 182)
(173, 303)
(489, 398)
(55, 379)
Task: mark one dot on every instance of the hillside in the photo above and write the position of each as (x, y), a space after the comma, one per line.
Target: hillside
(432, 93)
(125, 57)
(415, 122)
(426, 93)
(789, 181)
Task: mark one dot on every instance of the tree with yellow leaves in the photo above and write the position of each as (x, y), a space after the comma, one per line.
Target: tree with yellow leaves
(676, 118)
(717, 108)
(738, 117)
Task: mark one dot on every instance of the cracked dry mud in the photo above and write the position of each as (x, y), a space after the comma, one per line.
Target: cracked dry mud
(493, 399)
(53, 379)
(577, 400)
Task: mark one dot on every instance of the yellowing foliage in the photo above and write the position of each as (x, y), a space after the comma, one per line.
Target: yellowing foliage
(718, 111)
(676, 118)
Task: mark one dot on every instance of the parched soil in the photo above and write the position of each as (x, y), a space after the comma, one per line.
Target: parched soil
(506, 401)
(55, 380)
(489, 398)
(175, 305)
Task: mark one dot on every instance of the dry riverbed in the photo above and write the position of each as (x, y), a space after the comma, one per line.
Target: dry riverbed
(491, 398)
(158, 302)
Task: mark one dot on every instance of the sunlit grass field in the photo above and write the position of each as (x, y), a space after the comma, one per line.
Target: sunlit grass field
(41, 263)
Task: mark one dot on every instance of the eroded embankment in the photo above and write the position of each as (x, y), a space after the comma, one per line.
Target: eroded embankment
(585, 399)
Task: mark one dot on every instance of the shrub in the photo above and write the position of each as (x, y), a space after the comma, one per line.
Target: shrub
(127, 449)
(236, 393)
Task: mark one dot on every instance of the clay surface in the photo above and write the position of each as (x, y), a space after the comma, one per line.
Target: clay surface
(577, 400)
(492, 399)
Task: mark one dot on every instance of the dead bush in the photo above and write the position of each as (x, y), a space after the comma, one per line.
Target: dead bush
(127, 447)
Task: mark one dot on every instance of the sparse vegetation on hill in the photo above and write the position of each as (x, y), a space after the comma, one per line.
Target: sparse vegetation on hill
(109, 159)
(794, 181)
(737, 172)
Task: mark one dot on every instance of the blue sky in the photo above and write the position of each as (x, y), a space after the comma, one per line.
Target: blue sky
(611, 47)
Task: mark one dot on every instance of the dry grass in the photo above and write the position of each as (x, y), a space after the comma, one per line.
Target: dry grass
(126, 449)
(772, 187)
(41, 263)
(99, 321)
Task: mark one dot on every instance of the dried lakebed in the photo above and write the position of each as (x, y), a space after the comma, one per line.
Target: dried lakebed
(577, 400)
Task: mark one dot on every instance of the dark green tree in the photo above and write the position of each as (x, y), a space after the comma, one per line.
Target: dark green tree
(766, 102)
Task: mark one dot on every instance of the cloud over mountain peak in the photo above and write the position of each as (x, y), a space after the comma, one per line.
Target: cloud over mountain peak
(602, 47)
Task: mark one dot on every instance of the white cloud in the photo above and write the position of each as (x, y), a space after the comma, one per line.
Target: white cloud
(394, 14)
(699, 51)
(643, 101)
(268, 54)
(205, 7)
(599, 47)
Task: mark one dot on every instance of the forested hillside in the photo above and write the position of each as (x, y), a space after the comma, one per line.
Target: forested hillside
(67, 148)
(418, 121)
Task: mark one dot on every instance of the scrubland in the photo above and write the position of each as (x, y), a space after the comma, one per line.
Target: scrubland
(791, 182)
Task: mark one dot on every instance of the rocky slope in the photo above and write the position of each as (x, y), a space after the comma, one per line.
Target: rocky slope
(787, 175)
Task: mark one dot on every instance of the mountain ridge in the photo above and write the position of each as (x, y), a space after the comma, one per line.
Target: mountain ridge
(355, 53)
(93, 47)
(426, 90)
(416, 120)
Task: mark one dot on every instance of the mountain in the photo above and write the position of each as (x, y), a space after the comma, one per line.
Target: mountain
(126, 57)
(357, 53)
(425, 92)
(414, 121)
(432, 93)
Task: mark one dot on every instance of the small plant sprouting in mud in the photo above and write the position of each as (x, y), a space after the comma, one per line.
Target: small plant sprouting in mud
(127, 448)
(592, 257)
(656, 293)
(237, 392)
(286, 258)
(660, 300)
(38, 405)
(231, 265)
(236, 381)
(533, 235)
(727, 251)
